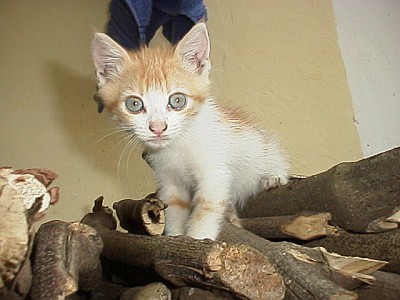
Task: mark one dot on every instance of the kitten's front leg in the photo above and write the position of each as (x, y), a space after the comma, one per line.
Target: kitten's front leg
(177, 212)
(209, 205)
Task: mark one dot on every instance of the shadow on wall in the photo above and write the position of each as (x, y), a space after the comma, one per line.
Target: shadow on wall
(95, 136)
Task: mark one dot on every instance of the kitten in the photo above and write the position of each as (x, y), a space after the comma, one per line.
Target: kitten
(207, 158)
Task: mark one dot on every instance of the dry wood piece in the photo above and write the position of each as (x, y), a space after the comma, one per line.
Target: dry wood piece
(361, 196)
(23, 199)
(192, 293)
(66, 258)
(303, 226)
(383, 246)
(101, 217)
(141, 216)
(306, 272)
(385, 287)
(156, 290)
(182, 261)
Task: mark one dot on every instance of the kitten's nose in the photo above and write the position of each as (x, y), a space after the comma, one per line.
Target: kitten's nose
(157, 127)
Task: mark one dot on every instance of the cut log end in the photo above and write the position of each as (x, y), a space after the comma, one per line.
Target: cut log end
(303, 226)
(309, 227)
(249, 274)
(239, 269)
(141, 216)
(153, 216)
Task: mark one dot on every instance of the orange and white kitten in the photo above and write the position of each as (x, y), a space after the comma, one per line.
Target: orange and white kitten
(207, 158)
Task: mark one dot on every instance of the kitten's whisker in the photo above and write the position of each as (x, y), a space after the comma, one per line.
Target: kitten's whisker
(121, 157)
(102, 131)
(127, 136)
(133, 143)
(110, 134)
(131, 140)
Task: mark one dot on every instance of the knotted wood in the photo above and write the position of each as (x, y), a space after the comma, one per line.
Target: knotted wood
(66, 259)
(306, 272)
(237, 269)
(361, 196)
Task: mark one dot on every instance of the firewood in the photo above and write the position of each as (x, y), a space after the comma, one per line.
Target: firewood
(141, 216)
(23, 199)
(156, 291)
(182, 261)
(303, 226)
(307, 273)
(101, 216)
(362, 196)
(66, 258)
(382, 246)
(193, 293)
(385, 287)
(106, 290)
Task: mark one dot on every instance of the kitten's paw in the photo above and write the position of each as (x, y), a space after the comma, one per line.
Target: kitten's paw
(202, 231)
(174, 232)
(231, 216)
(234, 220)
(203, 235)
(273, 182)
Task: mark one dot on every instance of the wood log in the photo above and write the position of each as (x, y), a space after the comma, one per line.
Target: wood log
(385, 287)
(101, 216)
(194, 293)
(308, 273)
(23, 199)
(237, 269)
(382, 246)
(156, 290)
(66, 258)
(106, 290)
(361, 196)
(303, 226)
(141, 216)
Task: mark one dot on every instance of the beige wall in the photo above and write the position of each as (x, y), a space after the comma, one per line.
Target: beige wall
(277, 59)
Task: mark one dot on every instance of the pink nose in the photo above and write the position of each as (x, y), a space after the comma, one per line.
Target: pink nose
(157, 127)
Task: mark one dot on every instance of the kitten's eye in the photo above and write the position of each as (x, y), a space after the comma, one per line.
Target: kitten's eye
(177, 101)
(134, 104)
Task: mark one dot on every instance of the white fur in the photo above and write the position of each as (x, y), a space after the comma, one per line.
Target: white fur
(203, 162)
(211, 160)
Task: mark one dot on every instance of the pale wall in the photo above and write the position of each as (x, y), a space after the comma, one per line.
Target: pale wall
(369, 37)
(277, 59)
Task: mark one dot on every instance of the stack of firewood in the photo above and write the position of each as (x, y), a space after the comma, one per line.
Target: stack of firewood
(334, 235)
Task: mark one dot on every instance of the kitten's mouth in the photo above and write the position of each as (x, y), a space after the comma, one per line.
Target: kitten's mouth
(158, 140)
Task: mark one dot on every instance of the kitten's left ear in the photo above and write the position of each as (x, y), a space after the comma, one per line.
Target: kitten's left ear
(109, 58)
(194, 50)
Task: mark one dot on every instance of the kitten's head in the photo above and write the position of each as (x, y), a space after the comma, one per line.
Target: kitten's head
(153, 93)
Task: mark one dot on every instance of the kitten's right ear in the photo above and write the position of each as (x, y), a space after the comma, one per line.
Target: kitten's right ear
(108, 57)
(194, 50)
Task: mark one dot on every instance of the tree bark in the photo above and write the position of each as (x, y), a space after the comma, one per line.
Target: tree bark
(306, 272)
(238, 269)
(359, 195)
(303, 226)
(141, 216)
(66, 258)
(156, 290)
(382, 246)
(193, 293)
(386, 287)
(23, 199)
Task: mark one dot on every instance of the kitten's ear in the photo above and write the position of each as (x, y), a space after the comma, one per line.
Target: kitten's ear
(194, 50)
(108, 57)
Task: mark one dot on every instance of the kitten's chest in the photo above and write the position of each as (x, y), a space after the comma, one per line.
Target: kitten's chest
(180, 161)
